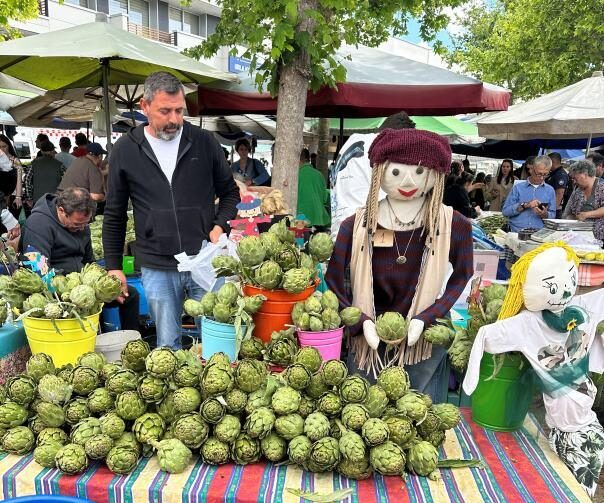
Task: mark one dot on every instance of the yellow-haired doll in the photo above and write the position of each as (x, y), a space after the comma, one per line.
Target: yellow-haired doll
(558, 334)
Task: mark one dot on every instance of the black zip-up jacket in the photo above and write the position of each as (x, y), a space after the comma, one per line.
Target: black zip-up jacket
(168, 218)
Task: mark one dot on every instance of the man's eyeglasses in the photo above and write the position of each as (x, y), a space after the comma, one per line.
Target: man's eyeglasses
(540, 175)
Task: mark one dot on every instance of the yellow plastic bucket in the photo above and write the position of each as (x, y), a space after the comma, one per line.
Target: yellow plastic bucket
(64, 347)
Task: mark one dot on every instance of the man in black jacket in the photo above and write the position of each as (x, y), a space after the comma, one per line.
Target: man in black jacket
(172, 173)
(58, 229)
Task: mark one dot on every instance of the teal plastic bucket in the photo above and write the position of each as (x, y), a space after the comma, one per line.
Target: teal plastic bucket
(502, 403)
(218, 337)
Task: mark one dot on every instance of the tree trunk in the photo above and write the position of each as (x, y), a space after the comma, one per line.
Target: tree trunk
(291, 108)
(323, 152)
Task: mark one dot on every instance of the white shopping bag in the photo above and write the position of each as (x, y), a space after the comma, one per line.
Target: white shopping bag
(200, 266)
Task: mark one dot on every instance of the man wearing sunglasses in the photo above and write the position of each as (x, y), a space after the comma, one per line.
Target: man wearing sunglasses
(531, 200)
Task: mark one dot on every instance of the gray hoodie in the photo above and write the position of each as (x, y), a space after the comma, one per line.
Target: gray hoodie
(66, 251)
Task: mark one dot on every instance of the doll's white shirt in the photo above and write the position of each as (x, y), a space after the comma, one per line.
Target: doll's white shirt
(528, 333)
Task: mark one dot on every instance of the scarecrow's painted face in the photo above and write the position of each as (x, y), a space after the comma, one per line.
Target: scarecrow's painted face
(551, 281)
(405, 182)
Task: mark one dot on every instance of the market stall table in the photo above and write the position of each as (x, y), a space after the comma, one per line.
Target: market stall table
(14, 350)
(519, 467)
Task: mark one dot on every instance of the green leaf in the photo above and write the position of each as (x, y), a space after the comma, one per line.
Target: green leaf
(322, 498)
(461, 463)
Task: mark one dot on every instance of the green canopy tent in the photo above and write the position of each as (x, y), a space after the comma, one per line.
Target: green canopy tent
(97, 54)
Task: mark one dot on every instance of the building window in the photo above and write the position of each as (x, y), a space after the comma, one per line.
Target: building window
(136, 10)
(81, 3)
(212, 23)
(190, 23)
(175, 19)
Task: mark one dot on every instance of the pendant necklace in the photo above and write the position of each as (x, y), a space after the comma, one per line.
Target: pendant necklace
(401, 259)
(398, 221)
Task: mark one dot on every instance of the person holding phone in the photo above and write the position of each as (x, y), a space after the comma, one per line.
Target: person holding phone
(532, 200)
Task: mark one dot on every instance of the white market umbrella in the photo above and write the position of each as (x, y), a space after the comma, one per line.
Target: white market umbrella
(576, 111)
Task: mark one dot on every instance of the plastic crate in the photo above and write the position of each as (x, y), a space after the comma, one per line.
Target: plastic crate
(136, 281)
(486, 263)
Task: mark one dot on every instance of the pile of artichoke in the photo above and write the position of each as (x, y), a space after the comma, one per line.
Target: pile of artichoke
(96, 235)
(272, 261)
(76, 295)
(483, 310)
(165, 403)
(321, 311)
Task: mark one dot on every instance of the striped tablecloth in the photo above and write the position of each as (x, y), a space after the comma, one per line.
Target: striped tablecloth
(520, 467)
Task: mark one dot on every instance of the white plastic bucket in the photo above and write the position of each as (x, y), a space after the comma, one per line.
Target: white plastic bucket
(112, 343)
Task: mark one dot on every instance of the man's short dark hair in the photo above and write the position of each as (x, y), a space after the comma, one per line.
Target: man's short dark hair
(162, 81)
(75, 199)
(305, 155)
(555, 156)
(64, 142)
(42, 137)
(399, 120)
(596, 158)
(81, 140)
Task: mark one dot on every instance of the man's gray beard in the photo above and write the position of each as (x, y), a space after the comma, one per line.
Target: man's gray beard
(162, 135)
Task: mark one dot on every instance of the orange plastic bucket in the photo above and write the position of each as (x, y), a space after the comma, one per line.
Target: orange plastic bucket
(276, 311)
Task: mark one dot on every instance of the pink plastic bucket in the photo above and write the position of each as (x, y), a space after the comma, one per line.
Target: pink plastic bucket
(328, 342)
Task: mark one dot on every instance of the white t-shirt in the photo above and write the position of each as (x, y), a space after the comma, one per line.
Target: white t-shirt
(549, 351)
(166, 153)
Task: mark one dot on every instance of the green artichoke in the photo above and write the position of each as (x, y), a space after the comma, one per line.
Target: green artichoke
(312, 305)
(376, 401)
(430, 423)
(375, 432)
(286, 400)
(350, 316)
(76, 410)
(100, 401)
(21, 389)
(401, 431)
(53, 389)
(324, 455)
(107, 370)
(38, 365)
(357, 470)
(352, 446)
(245, 450)
(166, 409)
(391, 326)
(297, 376)
(448, 415)
(282, 348)
(289, 426)
(257, 399)
(228, 429)
(129, 441)
(134, 354)
(354, 389)
(459, 351)
(52, 415)
(35, 424)
(250, 251)
(212, 410)
(253, 303)
(71, 459)
(259, 423)
(252, 348)
(172, 455)
(316, 426)
(186, 375)
(281, 230)
(186, 400)
(296, 280)
(288, 257)
(271, 243)
(317, 385)
(412, 405)
(92, 360)
(27, 281)
(215, 451)
(98, 446)
(225, 265)
(121, 459)
(307, 406)
(161, 363)
(310, 357)
(217, 379)
(250, 375)
(422, 458)
(53, 311)
(330, 404)
(439, 335)
(191, 430)
(354, 416)
(193, 308)
(207, 303)
(320, 246)
(92, 273)
(83, 296)
(108, 288)
(52, 436)
(387, 459)
(112, 425)
(268, 275)
(228, 294)
(436, 438)
(18, 440)
(45, 454)
(149, 426)
(299, 449)
(85, 429)
(394, 381)
(129, 405)
(274, 448)
(84, 380)
(152, 389)
(315, 324)
(235, 401)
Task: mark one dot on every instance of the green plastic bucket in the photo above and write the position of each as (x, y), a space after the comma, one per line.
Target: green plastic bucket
(501, 403)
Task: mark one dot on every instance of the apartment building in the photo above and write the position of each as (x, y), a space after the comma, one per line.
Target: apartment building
(166, 22)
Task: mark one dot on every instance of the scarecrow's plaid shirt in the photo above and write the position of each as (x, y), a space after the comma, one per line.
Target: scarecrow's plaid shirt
(393, 284)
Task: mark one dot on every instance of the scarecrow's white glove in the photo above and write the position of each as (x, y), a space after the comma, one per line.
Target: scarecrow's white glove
(416, 327)
(370, 334)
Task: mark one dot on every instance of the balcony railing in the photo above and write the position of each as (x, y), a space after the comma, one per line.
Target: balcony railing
(43, 7)
(151, 33)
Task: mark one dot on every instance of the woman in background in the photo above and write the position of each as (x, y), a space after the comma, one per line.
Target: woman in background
(11, 176)
(501, 185)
